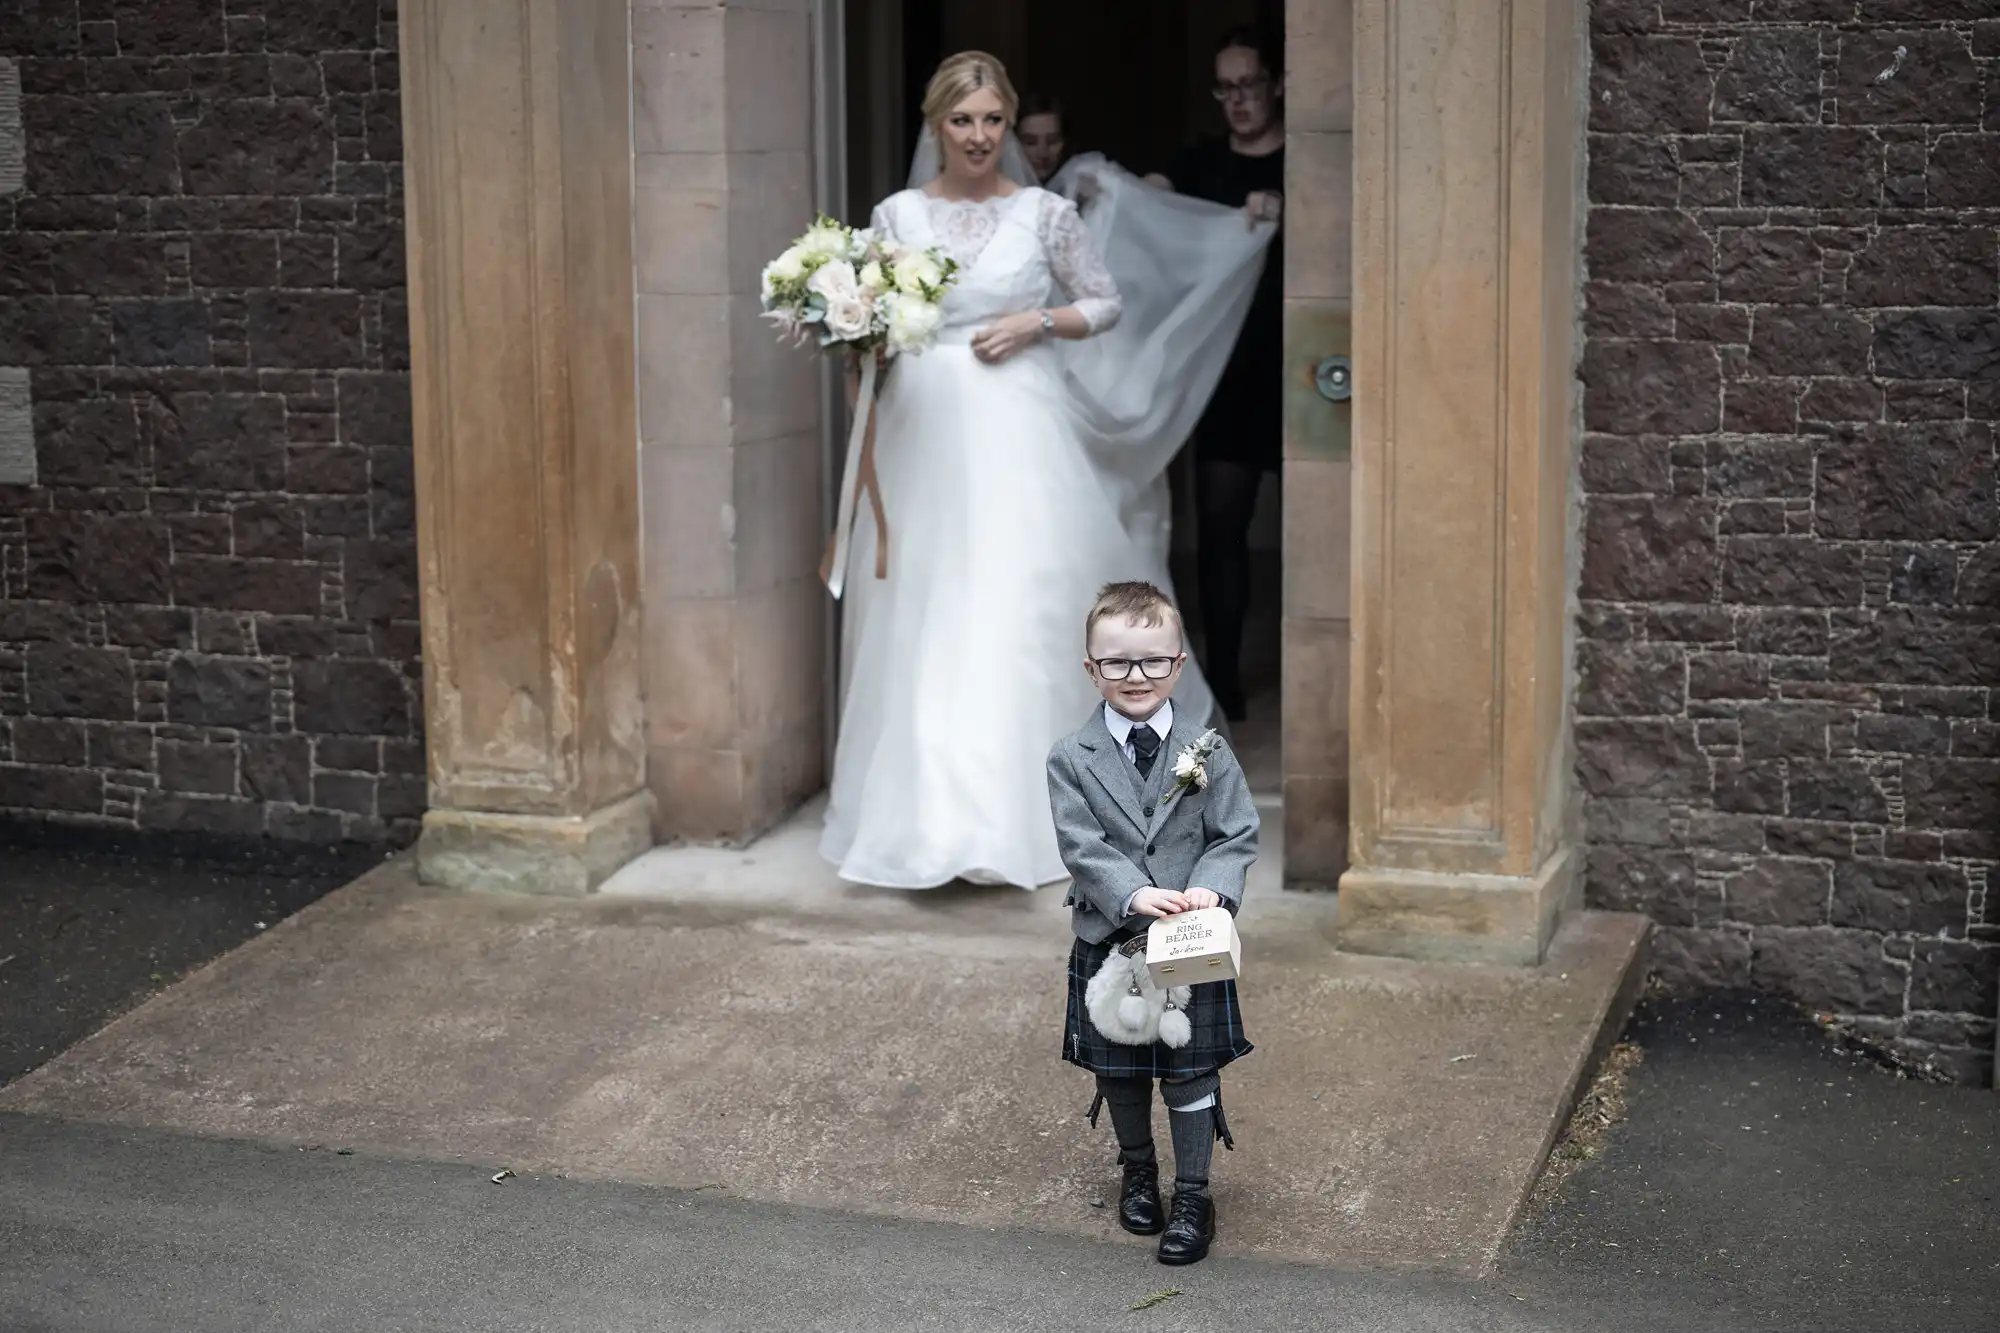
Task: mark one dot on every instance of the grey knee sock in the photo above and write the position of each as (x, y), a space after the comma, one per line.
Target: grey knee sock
(1193, 1131)
(1131, 1103)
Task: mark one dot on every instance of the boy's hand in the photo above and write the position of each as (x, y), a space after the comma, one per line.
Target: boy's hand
(1158, 902)
(1196, 899)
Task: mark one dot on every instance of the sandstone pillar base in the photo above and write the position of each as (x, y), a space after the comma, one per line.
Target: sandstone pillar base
(1457, 918)
(549, 854)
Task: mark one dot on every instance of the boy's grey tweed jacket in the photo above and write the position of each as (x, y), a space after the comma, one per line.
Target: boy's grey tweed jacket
(1119, 833)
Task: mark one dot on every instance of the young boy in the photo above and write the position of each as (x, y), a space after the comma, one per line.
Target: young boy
(1137, 849)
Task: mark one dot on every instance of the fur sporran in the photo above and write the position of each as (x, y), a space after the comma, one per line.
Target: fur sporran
(1126, 1007)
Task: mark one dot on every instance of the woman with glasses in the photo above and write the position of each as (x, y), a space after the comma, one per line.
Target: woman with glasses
(1240, 436)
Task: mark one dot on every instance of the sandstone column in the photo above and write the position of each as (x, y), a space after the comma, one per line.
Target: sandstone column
(1319, 244)
(518, 168)
(1466, 137)
(735, 657)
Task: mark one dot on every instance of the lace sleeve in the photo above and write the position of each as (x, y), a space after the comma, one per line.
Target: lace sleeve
(879, 221)
(1074, 259)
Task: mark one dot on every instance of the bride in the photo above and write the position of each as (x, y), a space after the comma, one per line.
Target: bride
(1016, 478)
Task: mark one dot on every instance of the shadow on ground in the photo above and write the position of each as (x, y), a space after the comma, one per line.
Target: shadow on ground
(87, 932)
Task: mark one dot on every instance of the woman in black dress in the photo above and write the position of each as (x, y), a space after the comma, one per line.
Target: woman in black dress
(1241, 434)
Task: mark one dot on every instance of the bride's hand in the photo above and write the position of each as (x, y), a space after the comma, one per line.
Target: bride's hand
(1006, 336)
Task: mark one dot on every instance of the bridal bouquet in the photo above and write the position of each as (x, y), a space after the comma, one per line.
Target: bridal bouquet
(858, 291)
(854, 289)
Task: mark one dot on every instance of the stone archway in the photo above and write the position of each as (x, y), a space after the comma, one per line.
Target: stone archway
(602, 672)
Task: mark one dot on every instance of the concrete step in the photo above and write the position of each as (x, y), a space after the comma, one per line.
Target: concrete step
(740, 1020)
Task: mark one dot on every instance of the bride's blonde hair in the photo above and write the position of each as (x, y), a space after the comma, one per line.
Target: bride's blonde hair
(962, 75)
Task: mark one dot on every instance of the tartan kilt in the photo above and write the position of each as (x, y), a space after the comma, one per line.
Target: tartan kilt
(1213, 1014)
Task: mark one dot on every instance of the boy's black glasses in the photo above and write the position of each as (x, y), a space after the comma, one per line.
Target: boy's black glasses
(1118, 668)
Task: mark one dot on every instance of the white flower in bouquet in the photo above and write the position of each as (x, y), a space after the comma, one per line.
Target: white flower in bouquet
(826, 239)
(849, 319)
(912, 321)
(874, 278)
(917, 273)
(835, 280)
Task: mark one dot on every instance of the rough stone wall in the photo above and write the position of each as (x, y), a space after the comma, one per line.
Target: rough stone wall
(207, 600)
(1789, 646)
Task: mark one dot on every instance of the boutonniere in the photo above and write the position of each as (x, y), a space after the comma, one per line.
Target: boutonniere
(1191, 764)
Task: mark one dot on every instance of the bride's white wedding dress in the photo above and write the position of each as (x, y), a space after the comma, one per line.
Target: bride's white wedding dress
(964, 665)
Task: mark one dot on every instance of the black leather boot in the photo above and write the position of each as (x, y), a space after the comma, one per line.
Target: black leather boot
(1139, 1209)
(1189, 1229)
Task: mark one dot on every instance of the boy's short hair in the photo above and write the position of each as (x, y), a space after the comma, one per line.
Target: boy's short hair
(1135, 600)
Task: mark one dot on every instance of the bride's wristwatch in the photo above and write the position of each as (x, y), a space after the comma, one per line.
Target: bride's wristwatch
(1048, 323)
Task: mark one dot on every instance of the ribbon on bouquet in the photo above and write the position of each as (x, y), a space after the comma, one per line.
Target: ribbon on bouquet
(856, 476)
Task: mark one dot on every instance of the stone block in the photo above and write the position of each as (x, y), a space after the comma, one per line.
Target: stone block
(1955, 977)
(1790, 571)
(1938, 344)
(1319, 73)
(1811, 167)
(1808, 340)
(679, 74)
(1918, 646)
(305, 329)
(1318, 500)
(1626, 310)
(1964, 171)
(690, 521)
(1648, 246)
(1657, 882)
(100, 146)
(51, 741)
(66, 681)
(1772, 77)
(1909, 483)
(1926, 266)
(180, 813)
(350, 697)
(684, 356)
(1936, 81)
(1644, 550)
(232, 442)
(1844, 971)
(1648, 85)
(219, 692)
(221, 583)
(1317, 655)
(36, 789)
(692, 674)
(324, 25)
(257, 147)
(1925, 898)
(1701, 959)
(167, 27)
(767, 96)
(1651, 388)
(1634, 170)
(191, 766)
(1632, 758)
(277, 769)
(778, 538)
(772, 388)
(1779, 893)
(1630, 679)
(53, 331)
(1502, 919)
(541, 854)
(1952, 793)
(1319, 216)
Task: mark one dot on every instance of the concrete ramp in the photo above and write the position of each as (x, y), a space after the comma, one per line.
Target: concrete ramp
(740, 1020)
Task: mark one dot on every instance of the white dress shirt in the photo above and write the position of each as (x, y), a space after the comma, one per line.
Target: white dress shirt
(1121, 728)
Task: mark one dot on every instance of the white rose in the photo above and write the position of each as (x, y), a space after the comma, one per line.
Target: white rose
(848, 318)
(836, 281)
(912, 321)
(789, 266)
(918, 271)
(874, 278)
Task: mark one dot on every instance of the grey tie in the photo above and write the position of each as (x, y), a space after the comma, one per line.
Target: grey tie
(1145, 744)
